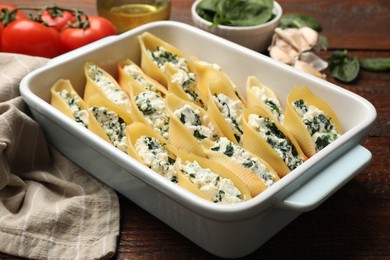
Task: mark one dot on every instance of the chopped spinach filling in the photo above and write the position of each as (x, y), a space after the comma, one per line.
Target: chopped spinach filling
(162, 56)
(320, 127)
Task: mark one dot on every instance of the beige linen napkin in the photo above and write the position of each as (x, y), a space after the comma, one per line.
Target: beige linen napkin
(49, 207)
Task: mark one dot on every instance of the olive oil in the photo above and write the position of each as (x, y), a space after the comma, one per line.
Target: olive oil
(131, 15)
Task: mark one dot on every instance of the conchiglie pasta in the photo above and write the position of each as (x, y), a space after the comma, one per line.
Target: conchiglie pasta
(111, 120)
(155, 53)
(190, 125)
(260, 95)
(310, 120)
(210, 180)
(226, 109)
(256, 174)
(207, 72)
(182, 83)
(66, 99)
(152, 150)
(149, 108)
(63, 96)
(100, 83)
(268, 139)
(130, 74)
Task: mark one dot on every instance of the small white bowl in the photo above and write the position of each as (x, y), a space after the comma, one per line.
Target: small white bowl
(256, 37)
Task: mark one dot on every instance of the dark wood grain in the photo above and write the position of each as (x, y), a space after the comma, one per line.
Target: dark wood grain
(352, 224)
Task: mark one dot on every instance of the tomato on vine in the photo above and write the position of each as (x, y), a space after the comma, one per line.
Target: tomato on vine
(7, 15)
(53, 31)
(56, 17)
(31, 38)
(85, 30)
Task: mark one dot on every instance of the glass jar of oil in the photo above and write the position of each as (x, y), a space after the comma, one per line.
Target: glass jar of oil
(128, 14)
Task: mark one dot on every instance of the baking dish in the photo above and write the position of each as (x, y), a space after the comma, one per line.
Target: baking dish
(224, 230)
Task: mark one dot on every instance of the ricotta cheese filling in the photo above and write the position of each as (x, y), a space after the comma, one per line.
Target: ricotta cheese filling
(191, 119)
(245, 158)
(274, 137)
(80, 115)
(154, 110)
(113, 125)
(134, 72)
(183, 77)
(221, 190)
(162, 56)
(187, 81)
(156, 157)
(321, 129)
(231, 110)
(211, 65)
(272, 103)
(113, 93)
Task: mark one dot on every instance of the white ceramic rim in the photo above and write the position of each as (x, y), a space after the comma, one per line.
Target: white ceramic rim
(277, 11)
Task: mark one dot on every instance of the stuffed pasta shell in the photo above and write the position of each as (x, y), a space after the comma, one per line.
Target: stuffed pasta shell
(150, 108)
(111, 120)
(208, 72)
(260, 95)
(210, 180)
(256, 174)
(311, 120)
(151, 150)
(182, 83)
(190, 125)
(130, 74)
(155, 53)
(268, 139)
(226, 109)
(101, 83)
(68, 101)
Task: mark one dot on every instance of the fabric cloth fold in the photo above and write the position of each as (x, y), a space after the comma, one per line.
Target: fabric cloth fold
(49, 207)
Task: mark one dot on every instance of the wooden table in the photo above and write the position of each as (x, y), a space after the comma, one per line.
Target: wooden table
(355, 222)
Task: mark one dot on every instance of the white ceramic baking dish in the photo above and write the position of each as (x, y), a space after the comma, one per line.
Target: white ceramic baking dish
(226, 231)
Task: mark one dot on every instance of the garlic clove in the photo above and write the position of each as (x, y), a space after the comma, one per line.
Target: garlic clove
(310, 36)
(313, 60)
(303, 66)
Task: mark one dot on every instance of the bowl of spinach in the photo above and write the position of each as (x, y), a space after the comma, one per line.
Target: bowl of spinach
(250, 23)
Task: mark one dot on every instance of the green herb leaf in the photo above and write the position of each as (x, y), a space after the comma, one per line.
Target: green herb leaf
(323, 42)
(207, 9)
(343, 67)
(375, 64)
(296, 20)
(236, 12)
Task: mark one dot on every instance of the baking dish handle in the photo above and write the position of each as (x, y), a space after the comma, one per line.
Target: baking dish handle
(328, 181)
(81, 49)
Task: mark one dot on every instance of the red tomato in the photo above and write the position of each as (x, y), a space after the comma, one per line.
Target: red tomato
(19, 15)
(98, 28)
(31, 38)
(57, 19)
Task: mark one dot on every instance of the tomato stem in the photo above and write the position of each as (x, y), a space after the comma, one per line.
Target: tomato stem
(56, 11)
(82, 21)
(7, 15)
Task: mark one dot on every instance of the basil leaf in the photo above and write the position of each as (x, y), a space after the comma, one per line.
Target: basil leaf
(296, 20)
(236, 12)
(375, 64)
(343, 67)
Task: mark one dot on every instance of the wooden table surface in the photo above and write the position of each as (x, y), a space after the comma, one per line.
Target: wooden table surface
(352, 224)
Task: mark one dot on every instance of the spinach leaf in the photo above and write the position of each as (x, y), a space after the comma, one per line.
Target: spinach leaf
(207, 9)
(343, 67)
(323, 41)
(236, 12)
(375, 64)
(295, 20)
